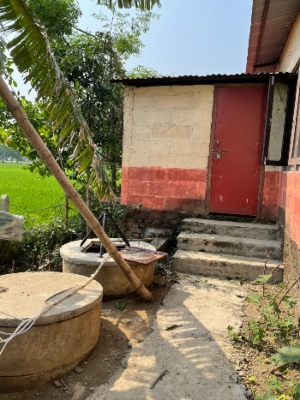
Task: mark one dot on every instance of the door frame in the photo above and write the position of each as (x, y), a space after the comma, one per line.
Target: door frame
(211, 144)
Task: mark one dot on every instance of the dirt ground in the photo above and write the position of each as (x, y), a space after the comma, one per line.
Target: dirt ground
(128, 321)
(124, 322)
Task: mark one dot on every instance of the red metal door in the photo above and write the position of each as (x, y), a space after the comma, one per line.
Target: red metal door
(237, 150)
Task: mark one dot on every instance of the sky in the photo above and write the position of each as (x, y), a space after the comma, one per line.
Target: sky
(191, 37)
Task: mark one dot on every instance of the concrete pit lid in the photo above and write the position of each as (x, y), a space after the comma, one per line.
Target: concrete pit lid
(74, 253)
(23, 295)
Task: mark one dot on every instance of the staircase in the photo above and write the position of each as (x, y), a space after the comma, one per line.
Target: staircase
(228, 249)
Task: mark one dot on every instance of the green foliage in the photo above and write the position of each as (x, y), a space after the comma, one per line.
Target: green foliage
(254, 298)
(142, 72)
(30, 196)
(273, 329)
(82, 107)
(58, 16)
(40, 246)
(296, 391)
(141, 4)
(252, 379)
(88, 63)
(125, 29)
(33, 57)
(256, 332)
(267, 396)
(290, 302)
(287, 355)
(12, 135)
(233, 336)
(261, 279)
(275, 385)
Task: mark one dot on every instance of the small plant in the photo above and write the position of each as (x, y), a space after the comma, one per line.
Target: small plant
(274, 336)
(252, 379)
(233, 336)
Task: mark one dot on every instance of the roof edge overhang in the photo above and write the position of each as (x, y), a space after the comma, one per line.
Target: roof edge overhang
(202, 80)
(271, 24)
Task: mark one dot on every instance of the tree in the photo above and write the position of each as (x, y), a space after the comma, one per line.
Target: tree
(58, 16)
(142, 72)
(33, 57)
(141, 4)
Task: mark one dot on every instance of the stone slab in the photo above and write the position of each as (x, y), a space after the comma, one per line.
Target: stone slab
(25, 294)
(225, 265)
(229, 245)
(229, 228)
(160, 244)
(11, 226)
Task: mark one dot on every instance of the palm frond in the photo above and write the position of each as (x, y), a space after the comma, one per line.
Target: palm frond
(33, 57)
(141, 4)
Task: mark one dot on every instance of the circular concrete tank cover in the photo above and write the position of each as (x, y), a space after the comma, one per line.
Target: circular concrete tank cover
(60, 338)
(113, 280)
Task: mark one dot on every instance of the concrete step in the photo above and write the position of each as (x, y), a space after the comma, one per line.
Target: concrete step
(225, 265)
(229, 228)
(229, 245)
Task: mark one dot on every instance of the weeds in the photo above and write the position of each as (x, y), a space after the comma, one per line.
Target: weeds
(273, 334)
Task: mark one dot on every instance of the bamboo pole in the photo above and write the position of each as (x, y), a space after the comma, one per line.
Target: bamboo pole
(31, 134)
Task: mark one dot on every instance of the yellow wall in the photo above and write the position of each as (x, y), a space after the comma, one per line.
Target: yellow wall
(167, 126)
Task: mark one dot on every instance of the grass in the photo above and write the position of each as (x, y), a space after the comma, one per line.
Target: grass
(37, 199)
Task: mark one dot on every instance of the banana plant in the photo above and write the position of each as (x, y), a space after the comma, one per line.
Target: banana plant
(32, 55)
(141, 4)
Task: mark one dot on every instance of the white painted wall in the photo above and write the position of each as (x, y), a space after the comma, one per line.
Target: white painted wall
(290, 56)
(278, 121)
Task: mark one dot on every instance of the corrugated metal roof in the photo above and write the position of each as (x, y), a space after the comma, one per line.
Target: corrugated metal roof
(271, 23)
(198, 80)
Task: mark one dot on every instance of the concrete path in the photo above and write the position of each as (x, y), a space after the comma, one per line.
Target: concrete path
(195, 354)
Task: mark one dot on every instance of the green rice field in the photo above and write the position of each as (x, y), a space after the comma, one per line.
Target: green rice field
(37, 199)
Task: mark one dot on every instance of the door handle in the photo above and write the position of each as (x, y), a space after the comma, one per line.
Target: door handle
(219, 152)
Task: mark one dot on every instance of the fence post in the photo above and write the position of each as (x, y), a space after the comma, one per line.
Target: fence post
(5, 203)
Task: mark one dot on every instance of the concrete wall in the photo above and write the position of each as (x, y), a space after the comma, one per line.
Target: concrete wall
(272, 174)
(166, 146)
(289, 220)
(289, 200)
(278, 121)
(291, 54)
(270, 196)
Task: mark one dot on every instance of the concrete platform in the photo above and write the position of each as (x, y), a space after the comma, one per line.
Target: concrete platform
(59, 340)
(112, 279)
(229, 245)
(197, 353)
(225, 265)
(229, 228)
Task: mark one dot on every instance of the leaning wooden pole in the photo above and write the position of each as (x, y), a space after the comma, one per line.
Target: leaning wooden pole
(31, 134)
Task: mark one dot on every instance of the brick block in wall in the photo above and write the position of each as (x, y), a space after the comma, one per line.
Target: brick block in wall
(169, 220)
(161, 188)
(271, 192)
(171, 132)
